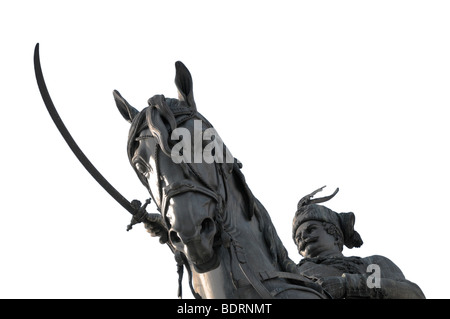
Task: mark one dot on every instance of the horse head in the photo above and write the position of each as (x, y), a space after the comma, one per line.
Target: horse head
(168, 151)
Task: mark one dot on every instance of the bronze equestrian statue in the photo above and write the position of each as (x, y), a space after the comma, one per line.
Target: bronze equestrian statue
(208, 216)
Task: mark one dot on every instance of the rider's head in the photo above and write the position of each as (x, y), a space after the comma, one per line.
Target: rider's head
(319, 231)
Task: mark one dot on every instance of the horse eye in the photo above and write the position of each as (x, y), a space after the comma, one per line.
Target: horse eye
(141, 168)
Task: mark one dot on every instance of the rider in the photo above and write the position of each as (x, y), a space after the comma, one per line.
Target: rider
(320, 235)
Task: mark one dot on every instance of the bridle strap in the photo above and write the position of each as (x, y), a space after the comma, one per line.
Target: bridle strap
(185, 186)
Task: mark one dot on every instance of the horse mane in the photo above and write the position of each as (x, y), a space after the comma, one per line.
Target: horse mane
(276, 247)
(162, 116)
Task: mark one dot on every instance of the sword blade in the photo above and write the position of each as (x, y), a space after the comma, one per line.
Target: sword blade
(69, 139)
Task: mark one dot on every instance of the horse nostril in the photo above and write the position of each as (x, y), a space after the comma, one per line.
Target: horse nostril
(207, 226)
(174, 238)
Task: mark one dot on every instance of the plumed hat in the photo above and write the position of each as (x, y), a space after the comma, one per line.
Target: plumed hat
(307, 209)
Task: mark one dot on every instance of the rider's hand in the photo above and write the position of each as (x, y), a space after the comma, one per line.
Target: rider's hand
(155, 226)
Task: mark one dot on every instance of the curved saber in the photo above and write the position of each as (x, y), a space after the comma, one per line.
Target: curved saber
(71, 142)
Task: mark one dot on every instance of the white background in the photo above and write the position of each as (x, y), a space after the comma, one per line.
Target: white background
(348, 94)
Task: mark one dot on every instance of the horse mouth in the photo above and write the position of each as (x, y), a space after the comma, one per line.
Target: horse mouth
(211, 264)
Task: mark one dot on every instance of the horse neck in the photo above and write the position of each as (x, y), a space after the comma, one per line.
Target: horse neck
(217, 283)
(253, 230)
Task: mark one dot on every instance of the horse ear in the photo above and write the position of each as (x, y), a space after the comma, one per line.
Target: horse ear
(183, 81)
(128, 112)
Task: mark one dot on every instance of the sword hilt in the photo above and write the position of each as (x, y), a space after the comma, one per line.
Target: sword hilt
(140, 213)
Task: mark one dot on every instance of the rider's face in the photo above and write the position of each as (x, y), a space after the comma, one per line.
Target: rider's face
(313, 240)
